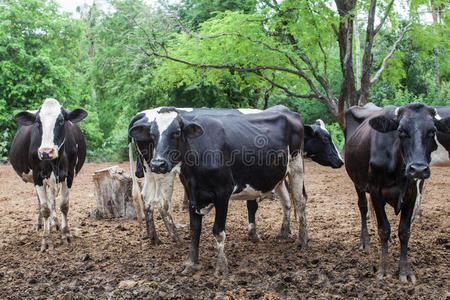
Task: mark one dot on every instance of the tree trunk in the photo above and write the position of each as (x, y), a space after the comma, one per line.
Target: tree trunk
(112, 190)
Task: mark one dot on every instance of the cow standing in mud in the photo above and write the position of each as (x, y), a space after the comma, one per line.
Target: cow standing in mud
(220, 161)
(157, 190)
(49, 150)
(388, 156)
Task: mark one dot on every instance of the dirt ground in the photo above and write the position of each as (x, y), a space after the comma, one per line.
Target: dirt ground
(110, 259)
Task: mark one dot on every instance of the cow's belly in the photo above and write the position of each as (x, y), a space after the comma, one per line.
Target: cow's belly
(249, 193)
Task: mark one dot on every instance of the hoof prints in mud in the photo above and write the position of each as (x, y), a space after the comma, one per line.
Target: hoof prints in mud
(110, 258)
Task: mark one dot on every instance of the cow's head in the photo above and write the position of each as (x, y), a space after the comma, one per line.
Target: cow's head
(49, 121)
(168, 132)
(416, 126)
(319, 146)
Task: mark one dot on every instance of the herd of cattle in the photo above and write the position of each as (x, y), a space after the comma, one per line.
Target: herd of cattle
(240, 154)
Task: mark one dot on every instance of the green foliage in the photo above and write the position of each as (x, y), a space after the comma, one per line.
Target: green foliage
(336, 135)
(38, 58)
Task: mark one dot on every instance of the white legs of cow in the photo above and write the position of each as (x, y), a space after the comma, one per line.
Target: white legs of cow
(157, 193)
(285, 202)
(296, 182)
(64, 207)
(47, 194)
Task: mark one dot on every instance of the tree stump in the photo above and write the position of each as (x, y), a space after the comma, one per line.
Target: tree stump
(112, 192)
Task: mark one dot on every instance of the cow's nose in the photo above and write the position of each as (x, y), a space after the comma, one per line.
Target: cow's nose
(46, 153)
(159, 165)
(419, 171)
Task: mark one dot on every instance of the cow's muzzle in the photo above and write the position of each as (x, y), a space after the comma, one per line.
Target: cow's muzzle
(418, 171)
(47, 153)
(159, 165)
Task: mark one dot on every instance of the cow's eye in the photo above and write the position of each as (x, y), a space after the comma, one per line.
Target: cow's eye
(61, 122)
(176, 134)
(402, 133)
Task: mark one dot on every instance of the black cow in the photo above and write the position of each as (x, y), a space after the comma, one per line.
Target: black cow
(49, 150)
(246, 156)
(388, 156)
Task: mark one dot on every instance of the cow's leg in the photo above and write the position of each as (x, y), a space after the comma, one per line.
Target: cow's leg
(384, 232)
(405, 270)
(149, 196)
(39, 220)
(45, 211)
(252, 207)
(64, 208)
(285, 202)
(164, 192)
(362, 204)
(52, 193)
(220, 236)
(185, 205)
(195, 225)
(151, 230)
(296, 178)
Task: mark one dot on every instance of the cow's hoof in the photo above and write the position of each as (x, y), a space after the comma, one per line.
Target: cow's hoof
(221, 266)
(221, 271)
(46, 244)
(254, 238)
(302, 245)
(176, 239)
(155, 241)
(190, 268)
(406, 273)
(283, 235)
(383, 273)
(364, 245)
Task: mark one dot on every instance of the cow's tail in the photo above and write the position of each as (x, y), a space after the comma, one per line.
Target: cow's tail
(136, 191)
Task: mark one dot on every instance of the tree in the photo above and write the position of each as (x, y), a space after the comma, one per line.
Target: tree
(38, 59)
(289, 45)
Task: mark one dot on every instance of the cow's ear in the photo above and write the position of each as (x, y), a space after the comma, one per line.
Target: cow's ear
(76, 115)
(309, 130)
(25, 118)
(443, 125)
(192, 129)
(140, 132)
(383, 124)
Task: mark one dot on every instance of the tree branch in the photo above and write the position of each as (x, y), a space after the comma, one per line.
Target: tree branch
(386, 13)
(389, 55)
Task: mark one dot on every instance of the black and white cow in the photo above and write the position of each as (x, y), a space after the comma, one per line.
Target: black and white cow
(49, 150)
(320, 148)
(388, 156)
(158, 188)
(223, 156)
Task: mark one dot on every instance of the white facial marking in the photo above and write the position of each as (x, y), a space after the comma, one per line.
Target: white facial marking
(397, 111)
(417, 203)
(437, 116)
(163, 120)
(49, 112)
(247, 111)
(188, 109)
(322, 125)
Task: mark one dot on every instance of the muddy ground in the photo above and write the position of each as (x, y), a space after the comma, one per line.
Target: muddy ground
(109, 258)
